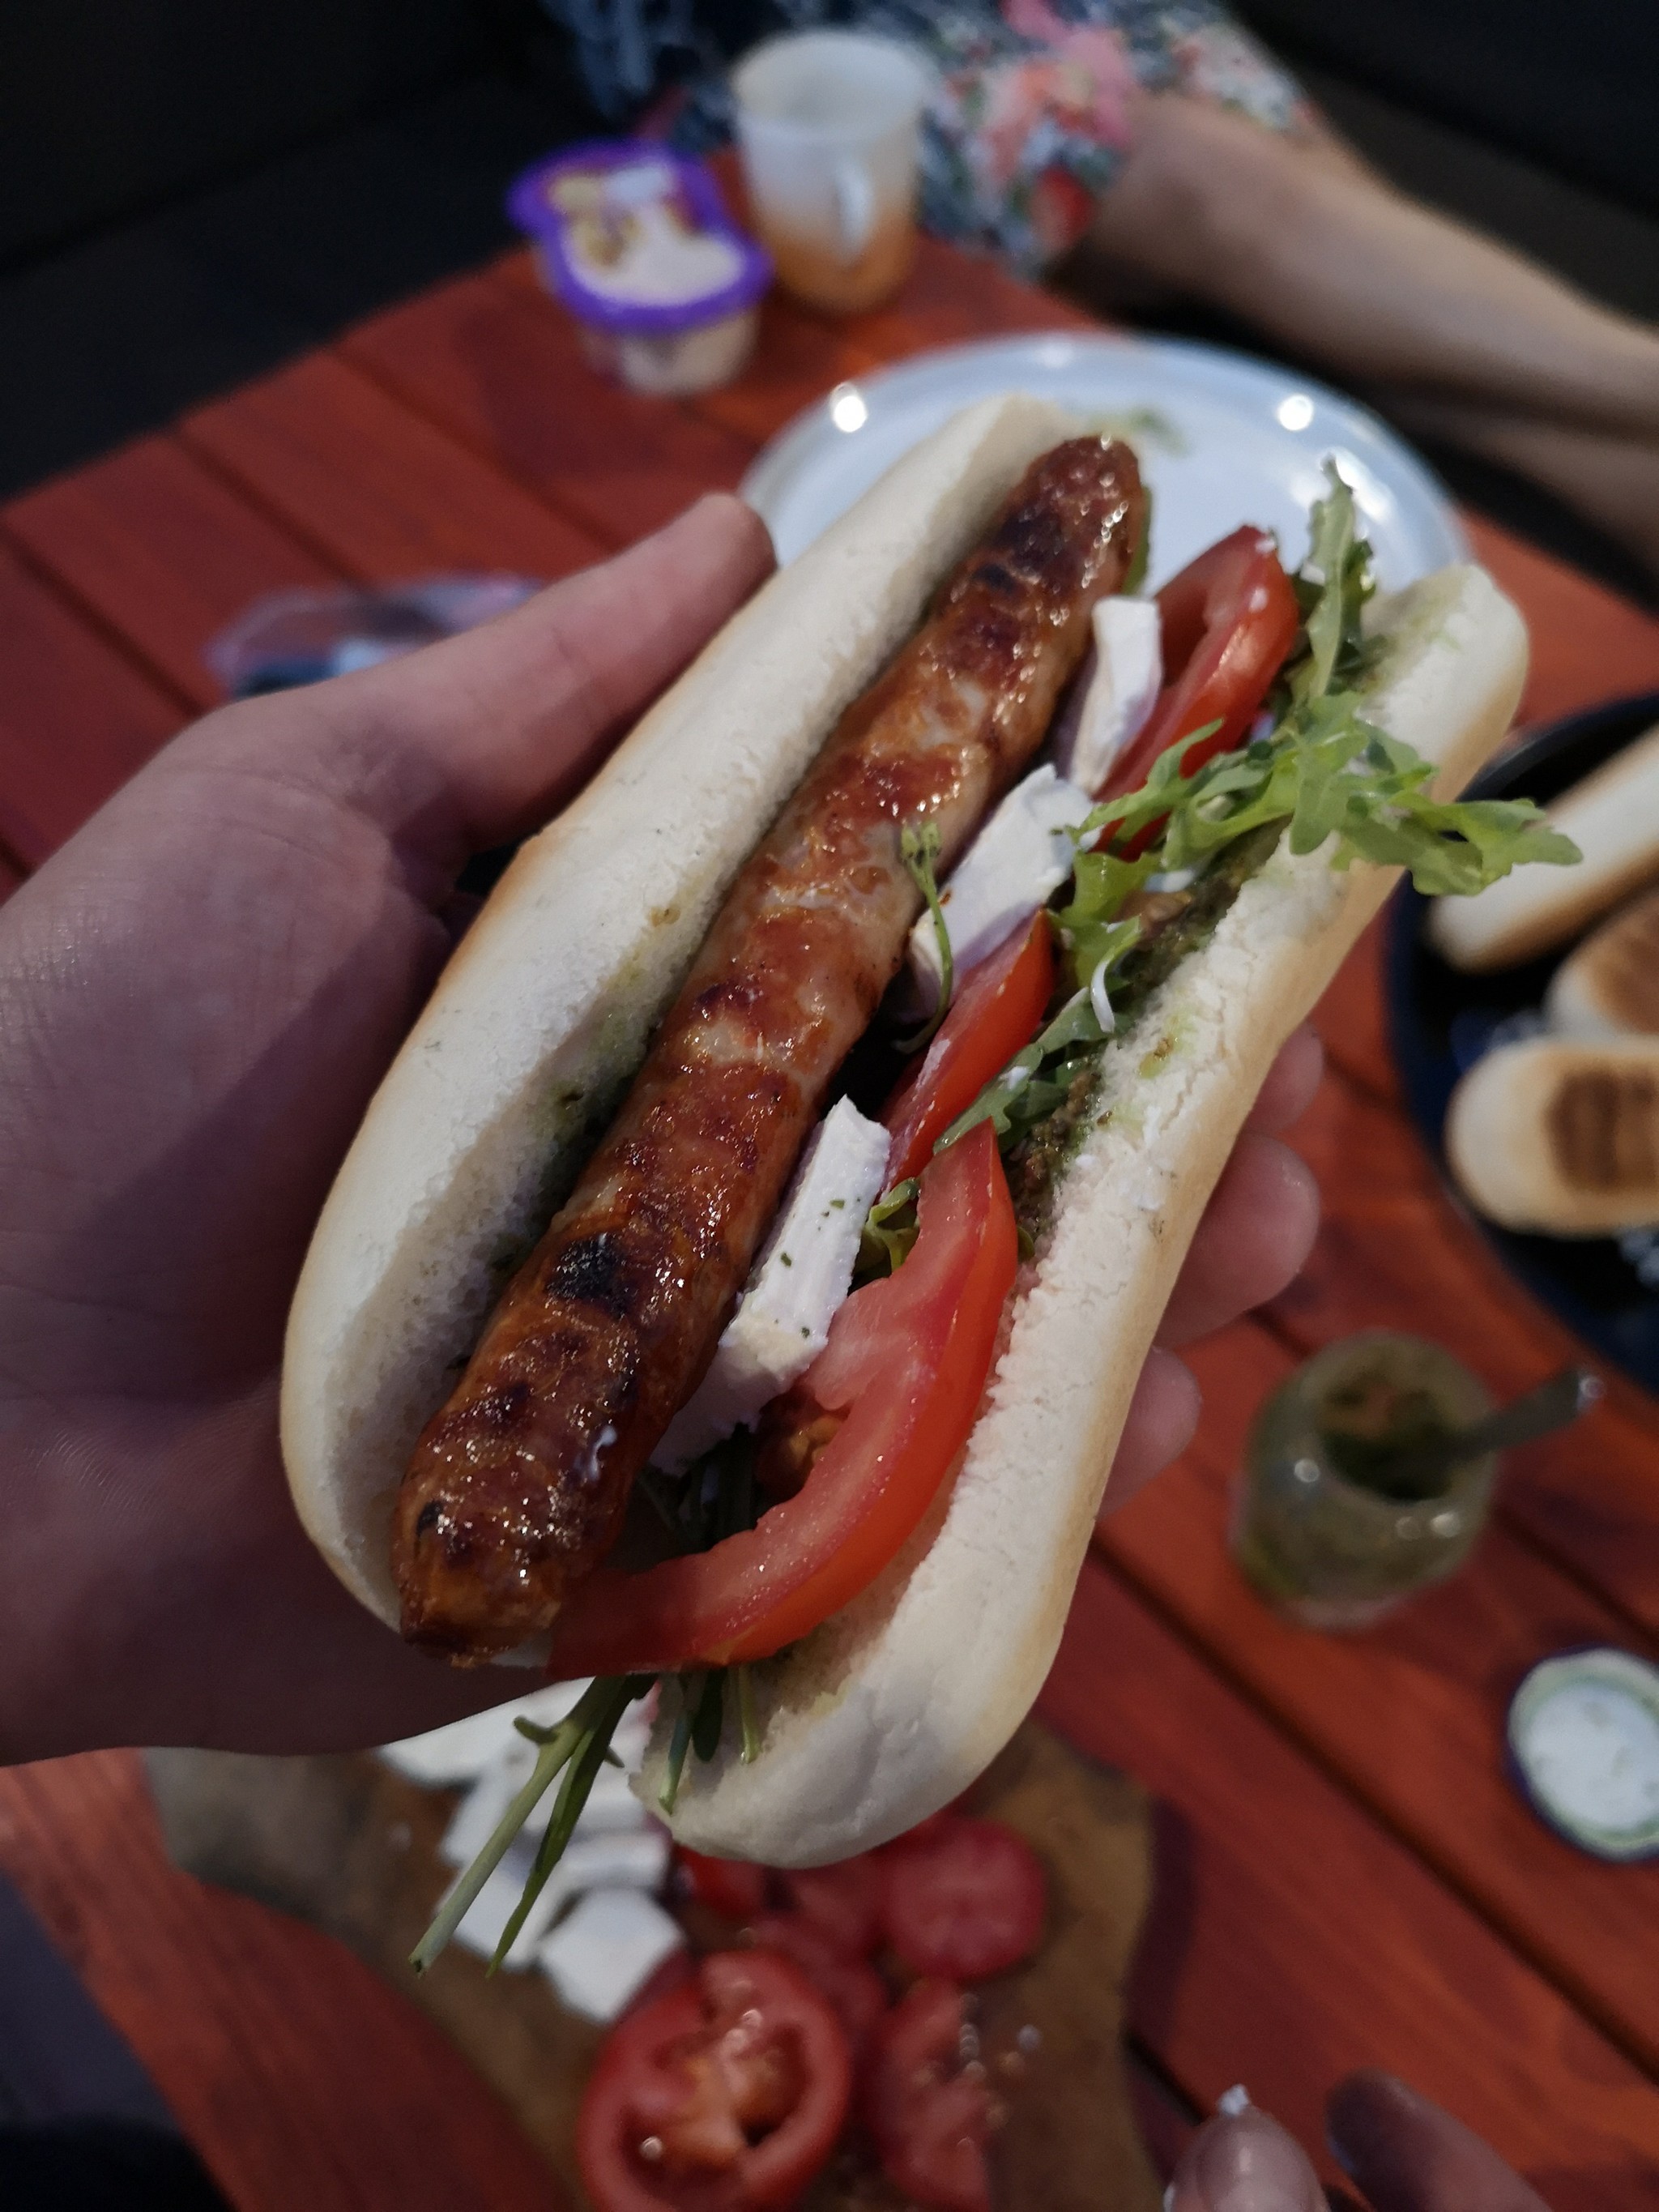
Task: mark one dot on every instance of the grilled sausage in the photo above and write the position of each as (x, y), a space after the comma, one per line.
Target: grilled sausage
(522, 1479)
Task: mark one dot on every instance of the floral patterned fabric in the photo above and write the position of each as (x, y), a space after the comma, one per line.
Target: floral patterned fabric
(1034, 114)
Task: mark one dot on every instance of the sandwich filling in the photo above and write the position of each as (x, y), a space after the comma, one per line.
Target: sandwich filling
(1258, 736)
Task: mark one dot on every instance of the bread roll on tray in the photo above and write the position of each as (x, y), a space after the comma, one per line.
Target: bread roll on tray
(1560, 1137)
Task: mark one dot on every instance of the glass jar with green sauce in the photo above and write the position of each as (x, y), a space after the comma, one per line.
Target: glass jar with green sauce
(1322, 1523)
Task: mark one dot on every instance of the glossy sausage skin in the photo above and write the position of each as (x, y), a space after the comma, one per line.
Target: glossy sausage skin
(521, 1481)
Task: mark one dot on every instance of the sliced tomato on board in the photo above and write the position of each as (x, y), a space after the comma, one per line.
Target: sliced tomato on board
(724, 2096)
(734, 1886)
(842, 1901)
(998, 1009)
(855, 1989)
(963, 1901)
(1228, 620)
(927, 2104)
(906, 1361)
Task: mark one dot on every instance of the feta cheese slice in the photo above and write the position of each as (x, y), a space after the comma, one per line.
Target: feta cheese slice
(798, 1281)
(611, 1809)
(459, 1753)
(1128, 676)
(604, 1952)
(1020, 855)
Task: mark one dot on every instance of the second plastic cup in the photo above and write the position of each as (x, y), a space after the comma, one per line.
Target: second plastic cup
(828, 122)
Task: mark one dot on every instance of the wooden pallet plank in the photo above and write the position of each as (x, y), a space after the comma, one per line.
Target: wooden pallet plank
(1291, 1938)
(299, 2077)
(1411, 1714)
(1393, 1252)
(367, 483)
(500, 368)
(161, 550)
(76, 718)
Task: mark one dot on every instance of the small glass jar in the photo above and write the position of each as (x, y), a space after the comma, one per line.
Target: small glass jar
(1319, 1524)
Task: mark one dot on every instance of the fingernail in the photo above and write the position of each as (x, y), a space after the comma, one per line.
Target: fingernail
(1243, 2161)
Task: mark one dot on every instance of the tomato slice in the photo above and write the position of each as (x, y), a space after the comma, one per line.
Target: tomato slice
(725, 2096)
(998, 1008)
(1228, 620)
(855, 1991)
(928, 2110)
(965, 1901)
(736, 1887)
(907, 1360)
(843, 1902)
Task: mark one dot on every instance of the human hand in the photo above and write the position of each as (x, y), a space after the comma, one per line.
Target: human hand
(199, 994)
(1405, 2153)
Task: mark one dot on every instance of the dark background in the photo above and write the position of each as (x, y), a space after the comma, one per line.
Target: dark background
(192, 191)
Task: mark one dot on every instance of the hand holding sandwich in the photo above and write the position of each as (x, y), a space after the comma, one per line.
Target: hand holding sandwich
(199, 994)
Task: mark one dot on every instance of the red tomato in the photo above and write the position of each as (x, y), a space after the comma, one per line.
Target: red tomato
(907, 1360)
(929, 2112)
(854, 1988)
(723, 2097)
(965, 1901)
(842, 1902)
(998, 1008)
(732, 1886)
(1228, 620)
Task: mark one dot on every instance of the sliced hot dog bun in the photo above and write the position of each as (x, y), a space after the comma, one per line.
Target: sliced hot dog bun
(889, 1711)
(1612, 817)
(1610, 986)
(1561, 1136)
(543, 1015)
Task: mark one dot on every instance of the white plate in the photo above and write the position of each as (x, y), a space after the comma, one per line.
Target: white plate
(1226, 439)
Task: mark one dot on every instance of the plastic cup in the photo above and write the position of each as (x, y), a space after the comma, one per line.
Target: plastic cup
(828, 123)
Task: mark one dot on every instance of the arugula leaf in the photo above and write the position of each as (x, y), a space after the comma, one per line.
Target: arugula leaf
(890, 1230)
(919, 849)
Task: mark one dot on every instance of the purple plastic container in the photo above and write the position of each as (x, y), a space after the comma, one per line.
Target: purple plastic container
(636, 242)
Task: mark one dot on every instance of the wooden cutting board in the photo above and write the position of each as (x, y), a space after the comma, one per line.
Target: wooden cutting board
(346, 1843)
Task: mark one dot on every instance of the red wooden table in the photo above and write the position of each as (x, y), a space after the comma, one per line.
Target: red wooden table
(1344, 1874)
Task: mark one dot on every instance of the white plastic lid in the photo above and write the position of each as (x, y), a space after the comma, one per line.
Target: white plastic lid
(1584, 1733)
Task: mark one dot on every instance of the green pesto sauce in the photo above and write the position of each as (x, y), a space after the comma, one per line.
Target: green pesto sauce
(1035, 1164)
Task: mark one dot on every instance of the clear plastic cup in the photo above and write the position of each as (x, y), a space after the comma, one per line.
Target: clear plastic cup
(828, 123)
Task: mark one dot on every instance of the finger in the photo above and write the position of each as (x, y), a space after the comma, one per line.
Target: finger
(1292, 1082)
(1409, 2156)
(1162, 1416)
(1243, 2162)
(1257, 1232)
(469, 744)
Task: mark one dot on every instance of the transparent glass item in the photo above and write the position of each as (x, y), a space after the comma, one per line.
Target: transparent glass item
(829, 122)
(1318, 1525)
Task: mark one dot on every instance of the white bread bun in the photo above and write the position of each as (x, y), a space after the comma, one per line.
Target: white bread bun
(1612, 817)
(1609, 987)
(1560, 1136)
(891, 1710)
(542, 1017)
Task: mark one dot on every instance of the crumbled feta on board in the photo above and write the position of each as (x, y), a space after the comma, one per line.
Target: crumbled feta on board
(604, 1951)
(1127, 678)
(799, 1280)
(1020, 855)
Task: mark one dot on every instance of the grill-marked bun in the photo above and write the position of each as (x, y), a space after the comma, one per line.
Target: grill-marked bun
(891, 1707)
(1561, 1137)
(1612, 817)
(1610, 986)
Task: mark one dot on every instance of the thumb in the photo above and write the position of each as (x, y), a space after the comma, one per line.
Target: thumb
(1243, 2161)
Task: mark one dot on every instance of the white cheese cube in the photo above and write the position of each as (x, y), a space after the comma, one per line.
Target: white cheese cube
(798, 1281)
(604, 1951)
(444, 1757)
(1020, 855)
(1127, 678)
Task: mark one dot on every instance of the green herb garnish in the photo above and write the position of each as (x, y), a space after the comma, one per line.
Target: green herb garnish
(918, 849)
